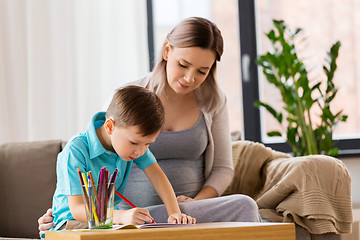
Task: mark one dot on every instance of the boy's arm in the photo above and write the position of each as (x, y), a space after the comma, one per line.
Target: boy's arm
(163, 187)
(77, 208)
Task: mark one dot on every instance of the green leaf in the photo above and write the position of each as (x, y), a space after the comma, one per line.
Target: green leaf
(274, 134)
(271, 36)
(316, 86)
(327, 114)
(271, 110)
(291, 135)
(343, 118)
(297, 31)
(331, 97)
(333, 152)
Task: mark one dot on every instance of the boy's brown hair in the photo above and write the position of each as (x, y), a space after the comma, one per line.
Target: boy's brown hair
(137, 106)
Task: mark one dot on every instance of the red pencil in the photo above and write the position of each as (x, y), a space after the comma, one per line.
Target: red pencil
(128, 202)
(125, 199)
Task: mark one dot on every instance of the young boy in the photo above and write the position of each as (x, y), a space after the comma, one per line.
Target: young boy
(115, 139)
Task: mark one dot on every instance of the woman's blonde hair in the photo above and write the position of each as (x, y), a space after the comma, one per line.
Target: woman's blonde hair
(193, 32)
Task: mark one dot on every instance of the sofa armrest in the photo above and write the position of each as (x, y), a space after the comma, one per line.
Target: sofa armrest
(27, 184)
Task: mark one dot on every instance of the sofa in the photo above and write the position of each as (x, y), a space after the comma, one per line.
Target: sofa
(28, 179)
(27, 184)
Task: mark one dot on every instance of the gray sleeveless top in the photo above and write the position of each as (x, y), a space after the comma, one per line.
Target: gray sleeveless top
(180, 155)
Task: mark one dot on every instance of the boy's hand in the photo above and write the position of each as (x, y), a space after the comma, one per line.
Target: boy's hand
(181, 219)
(135, 216)
(183, 198)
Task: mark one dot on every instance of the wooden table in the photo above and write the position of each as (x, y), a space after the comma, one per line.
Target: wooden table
(200, 231)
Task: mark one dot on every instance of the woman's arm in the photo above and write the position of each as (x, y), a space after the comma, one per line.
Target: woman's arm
(206, 192)
(219, 168)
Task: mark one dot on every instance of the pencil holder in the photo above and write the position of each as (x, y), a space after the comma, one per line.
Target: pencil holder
(99, 205)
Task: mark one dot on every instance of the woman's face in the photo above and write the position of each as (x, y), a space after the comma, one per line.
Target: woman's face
(187, 68)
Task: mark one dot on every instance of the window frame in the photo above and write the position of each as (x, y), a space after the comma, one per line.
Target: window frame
(249, 78)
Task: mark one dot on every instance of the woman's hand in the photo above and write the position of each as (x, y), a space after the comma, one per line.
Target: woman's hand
(183, 198)
(181, 219)
(135, 216)
(46, 221)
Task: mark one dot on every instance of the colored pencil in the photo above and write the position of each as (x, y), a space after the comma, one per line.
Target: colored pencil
(91, 216)
(125, 199)
(94, 186)
(85, 183)
(92, 203)
(112, 181)
(100, 191)
(84, 191)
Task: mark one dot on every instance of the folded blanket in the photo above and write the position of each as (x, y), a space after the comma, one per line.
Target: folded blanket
(313, 191)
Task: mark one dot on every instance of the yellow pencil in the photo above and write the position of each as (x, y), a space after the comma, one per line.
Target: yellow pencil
(87, 191)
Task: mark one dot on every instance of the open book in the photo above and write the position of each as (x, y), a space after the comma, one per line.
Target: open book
(130, 226)
(150, 225)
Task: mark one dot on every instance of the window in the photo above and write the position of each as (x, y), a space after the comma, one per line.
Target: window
(322, 26)
(335, 22)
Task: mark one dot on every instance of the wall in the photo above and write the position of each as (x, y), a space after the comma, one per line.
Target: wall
(353, 165)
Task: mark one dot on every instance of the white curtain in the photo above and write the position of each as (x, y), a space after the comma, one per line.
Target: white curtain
(60, 60)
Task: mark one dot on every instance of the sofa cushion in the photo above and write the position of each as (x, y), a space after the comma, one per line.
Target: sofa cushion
(27, 184)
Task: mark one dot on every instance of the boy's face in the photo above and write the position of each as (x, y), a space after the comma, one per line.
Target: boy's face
(129, 143)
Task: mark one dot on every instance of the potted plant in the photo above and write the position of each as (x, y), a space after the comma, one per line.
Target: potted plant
(283, 68)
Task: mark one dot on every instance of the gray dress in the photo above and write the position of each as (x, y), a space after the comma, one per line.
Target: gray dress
(180, 154)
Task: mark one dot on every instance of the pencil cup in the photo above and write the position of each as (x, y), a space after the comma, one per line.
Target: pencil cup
(99, 205)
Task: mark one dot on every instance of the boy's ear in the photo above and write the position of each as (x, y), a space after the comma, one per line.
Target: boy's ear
(109, 125)
(166, 51)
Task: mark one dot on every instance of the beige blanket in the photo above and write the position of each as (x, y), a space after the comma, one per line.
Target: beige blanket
(313, 191)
